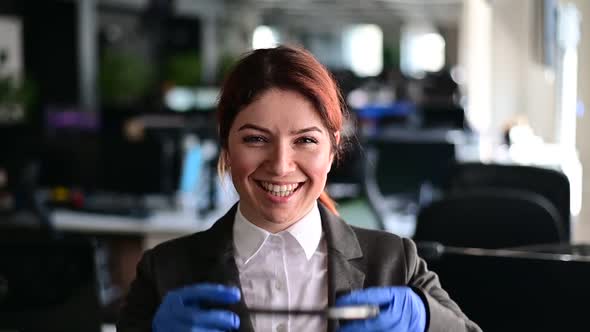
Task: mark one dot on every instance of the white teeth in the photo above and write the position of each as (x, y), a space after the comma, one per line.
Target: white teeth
(279, 190)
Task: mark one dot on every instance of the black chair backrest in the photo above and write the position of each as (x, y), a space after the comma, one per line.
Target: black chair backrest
(48, 286)
(490, 218)
(504, 290)
(551, 184)
(348, 169)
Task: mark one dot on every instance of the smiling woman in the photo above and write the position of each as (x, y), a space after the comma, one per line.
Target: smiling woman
(283, 249)
(271, 74)
(279, 153)
(280, 126)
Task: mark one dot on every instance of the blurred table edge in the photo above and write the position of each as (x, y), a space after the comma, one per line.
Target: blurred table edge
(157, 228)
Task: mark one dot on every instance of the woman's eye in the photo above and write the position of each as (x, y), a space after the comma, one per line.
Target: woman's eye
(307, 140)
(254, 139)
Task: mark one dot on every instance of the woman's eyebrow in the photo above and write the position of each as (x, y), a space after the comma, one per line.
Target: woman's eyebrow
(255, 127)
(305, 130)
(293, 132)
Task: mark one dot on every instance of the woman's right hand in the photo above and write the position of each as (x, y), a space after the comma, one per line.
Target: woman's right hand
(185, 309)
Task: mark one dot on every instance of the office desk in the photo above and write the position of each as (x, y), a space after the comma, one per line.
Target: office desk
(159, 227)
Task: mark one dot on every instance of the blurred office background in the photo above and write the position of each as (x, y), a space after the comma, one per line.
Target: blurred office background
(466, 130)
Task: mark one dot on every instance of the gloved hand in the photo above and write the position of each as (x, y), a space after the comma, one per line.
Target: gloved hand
(184, 309)
(401, 309)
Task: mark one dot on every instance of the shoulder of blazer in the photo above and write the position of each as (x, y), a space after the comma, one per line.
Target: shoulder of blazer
(387, 250)
(378, 241)
(355, 242)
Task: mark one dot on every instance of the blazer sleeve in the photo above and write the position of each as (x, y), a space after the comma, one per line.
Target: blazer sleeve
(142, 300)
(444, 314)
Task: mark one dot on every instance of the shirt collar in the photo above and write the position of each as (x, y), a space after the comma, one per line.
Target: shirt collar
(308, 231)
(249, 238)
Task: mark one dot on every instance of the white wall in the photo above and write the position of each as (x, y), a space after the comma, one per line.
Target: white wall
(509, 59)
(505, 77)
(519, 82)
(582, 230)
(11, 46)
(475, 59)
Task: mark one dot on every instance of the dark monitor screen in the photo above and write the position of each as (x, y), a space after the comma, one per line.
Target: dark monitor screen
(101, 158)
(402, 166)
(517, 291)
(120, 152)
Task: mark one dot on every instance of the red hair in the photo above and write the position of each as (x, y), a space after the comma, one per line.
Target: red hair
(286, 68)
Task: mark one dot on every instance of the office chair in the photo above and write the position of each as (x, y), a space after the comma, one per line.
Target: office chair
(48, 286)
(551, 184)
(400, 174)
(507, 290)
(346, 175)
(491, 218)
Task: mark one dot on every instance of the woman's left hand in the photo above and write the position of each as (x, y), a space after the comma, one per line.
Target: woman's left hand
(401, 309)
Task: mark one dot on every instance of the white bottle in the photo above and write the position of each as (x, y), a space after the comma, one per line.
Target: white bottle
(189, 191)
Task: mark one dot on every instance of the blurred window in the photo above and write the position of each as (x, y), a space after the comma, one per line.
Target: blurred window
(363, 45)
(265, 37)
(422, 50)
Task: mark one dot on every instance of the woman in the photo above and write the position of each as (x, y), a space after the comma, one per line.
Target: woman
(283, 245)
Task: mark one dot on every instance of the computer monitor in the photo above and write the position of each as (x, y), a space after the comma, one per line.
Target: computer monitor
(507, 290)
(48, 286)
(403, 165)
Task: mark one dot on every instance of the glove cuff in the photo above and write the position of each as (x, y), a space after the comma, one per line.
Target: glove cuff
(424, 299)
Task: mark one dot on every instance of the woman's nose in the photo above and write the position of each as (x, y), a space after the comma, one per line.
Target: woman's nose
(281, 160)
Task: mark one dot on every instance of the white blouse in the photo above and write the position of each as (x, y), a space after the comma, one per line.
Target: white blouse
(283, 270)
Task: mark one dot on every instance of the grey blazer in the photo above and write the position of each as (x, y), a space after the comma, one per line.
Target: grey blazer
(357, 258)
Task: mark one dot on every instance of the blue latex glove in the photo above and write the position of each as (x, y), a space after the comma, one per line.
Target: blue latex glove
(401, 309)
(183, 309)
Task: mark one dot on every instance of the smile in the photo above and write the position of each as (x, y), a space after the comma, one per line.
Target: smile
(279, 190)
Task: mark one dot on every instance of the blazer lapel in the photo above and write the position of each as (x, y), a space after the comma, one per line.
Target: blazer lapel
(343, 250)
(223, 266)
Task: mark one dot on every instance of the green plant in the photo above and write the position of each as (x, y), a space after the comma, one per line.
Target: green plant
(391, 57)
(124, 77)
(226, 63)
(183, 69)
(14, 93)
(16, 98)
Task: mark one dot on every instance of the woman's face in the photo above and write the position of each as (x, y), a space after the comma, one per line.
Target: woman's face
(280, 154)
